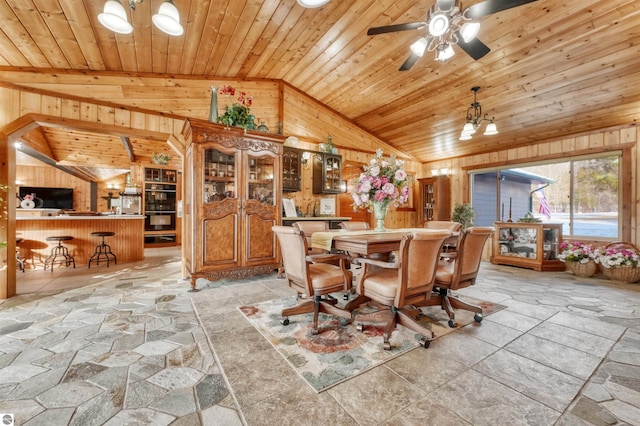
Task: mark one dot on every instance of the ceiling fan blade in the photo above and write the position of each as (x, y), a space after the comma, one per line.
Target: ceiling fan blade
(411, 60)
(488, 7)
(396, 27)
(475, 48)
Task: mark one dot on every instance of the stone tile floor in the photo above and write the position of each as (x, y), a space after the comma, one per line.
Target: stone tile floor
(129, 345)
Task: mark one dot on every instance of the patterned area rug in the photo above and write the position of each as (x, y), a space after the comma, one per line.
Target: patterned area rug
(338, 353)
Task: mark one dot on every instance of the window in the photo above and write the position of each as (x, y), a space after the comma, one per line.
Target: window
(581, 193)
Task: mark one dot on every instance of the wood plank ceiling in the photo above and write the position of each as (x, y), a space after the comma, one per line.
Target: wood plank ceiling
(556, 67)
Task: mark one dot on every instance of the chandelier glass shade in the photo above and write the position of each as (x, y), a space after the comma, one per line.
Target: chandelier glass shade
(114, 17)
(475, 118)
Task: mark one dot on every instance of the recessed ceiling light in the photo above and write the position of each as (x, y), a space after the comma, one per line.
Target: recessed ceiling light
(312, 3)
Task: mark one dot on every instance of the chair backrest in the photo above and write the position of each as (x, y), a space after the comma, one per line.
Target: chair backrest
(418, 257)
(443, 224)
(469, 255)
(308, 228)
(293, 248)
(354, 225)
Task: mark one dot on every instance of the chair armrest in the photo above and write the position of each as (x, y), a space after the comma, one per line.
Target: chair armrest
(380, 263)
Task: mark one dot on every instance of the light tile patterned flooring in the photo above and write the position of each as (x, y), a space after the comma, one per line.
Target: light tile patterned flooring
(129, 345)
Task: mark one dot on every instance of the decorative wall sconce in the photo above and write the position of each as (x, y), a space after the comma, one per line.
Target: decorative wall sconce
(440, 172)
(305, 159)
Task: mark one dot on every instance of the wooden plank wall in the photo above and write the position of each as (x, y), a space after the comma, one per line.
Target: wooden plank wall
(47, 176)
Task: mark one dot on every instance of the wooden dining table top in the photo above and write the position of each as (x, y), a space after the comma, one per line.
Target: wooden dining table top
(365, 243)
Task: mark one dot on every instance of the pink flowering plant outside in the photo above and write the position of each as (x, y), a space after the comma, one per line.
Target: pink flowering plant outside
(575, 251)
(383, 181)
(610, 257)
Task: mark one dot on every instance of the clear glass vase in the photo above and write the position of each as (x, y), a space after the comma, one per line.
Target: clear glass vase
(380, 212)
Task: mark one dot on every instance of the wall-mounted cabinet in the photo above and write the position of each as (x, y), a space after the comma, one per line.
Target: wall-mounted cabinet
(160, 190)
(528, 245)
(327, 173)
(435, 199)
(233, 201)
(291, 169)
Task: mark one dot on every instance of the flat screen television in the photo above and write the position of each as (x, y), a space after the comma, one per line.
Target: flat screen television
(52, 198)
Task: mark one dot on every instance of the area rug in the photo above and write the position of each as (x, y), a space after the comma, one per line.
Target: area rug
(338, 353)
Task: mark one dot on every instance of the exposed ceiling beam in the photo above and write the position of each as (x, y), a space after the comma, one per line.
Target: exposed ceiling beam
(126, 142)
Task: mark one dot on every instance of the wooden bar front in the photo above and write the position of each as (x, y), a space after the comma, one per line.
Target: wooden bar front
(127, 244)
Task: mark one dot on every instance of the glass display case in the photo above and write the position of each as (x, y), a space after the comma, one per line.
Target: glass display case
(327, 174)
(528, 245)
(291, 163)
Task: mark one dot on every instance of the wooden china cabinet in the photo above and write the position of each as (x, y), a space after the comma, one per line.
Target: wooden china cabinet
(435, 199)
(233, 182)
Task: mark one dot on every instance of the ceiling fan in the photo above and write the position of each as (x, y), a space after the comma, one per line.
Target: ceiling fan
(448, 24)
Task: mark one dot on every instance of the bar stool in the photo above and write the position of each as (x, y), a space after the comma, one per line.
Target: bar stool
(19, 261)
(102, 250)
(59, 251)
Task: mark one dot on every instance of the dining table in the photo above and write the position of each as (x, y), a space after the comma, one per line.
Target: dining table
(366, 242)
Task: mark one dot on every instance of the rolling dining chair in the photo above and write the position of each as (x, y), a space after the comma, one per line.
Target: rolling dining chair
(460, 271)
(399, 288)
(311, 276)
(354, 225)
(308, 228)
(449, 245)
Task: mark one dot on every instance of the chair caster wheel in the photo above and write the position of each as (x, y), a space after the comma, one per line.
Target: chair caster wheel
(284, 321)
(314, 331)
(477, 317)
(451, 323)
(360, 326)
(345, 297)
(424, 342)
(344, 322)
(387, 346)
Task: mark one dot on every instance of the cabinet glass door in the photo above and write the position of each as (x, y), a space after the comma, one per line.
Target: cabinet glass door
(260, 179)
(332, 174)
(220, 177)
(551, 238)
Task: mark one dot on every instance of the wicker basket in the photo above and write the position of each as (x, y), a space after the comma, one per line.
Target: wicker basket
(583, 269)
(625, 274)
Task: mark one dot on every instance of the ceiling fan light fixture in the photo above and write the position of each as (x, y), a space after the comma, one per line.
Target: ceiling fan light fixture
(491, 129)
(438, 24)
(168, 19)
(114, 17)
(469, 31)
(445, 53)
(310, 4)
(419, 46)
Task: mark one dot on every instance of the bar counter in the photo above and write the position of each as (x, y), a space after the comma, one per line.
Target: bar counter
(127, 244)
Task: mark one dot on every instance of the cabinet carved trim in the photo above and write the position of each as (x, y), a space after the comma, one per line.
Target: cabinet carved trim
(237, 142)
(222, 208)
(259, 209)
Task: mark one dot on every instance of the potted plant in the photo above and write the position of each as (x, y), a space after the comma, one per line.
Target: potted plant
(464, 214)
(239, 113)
(579, 258)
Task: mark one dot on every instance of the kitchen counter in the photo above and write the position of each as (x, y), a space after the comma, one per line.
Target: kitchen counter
(127, 244)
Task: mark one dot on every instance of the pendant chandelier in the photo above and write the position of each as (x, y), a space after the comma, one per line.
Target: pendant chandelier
(114, 17)
(475, 119)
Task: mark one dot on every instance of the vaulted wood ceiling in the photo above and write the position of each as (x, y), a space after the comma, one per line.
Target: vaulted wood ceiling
(556, 67)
